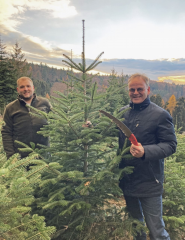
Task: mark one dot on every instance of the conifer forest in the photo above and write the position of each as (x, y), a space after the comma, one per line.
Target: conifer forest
(71, 191)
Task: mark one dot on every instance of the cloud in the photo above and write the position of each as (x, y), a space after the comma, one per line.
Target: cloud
(14, 13)
(35, 49)
(152, 68)
(126, 30)
(11, 9)
(155, 10)
(123, 28)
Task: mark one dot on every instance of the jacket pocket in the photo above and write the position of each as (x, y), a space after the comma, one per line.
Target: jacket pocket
(155, 177)
(144, 173)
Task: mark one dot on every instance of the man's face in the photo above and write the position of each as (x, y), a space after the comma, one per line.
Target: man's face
(25, 89)
(138, 90)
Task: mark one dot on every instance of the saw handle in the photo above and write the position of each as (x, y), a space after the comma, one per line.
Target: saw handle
(133, 139)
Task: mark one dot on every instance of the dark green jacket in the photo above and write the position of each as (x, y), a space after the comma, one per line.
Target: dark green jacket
(22, 126)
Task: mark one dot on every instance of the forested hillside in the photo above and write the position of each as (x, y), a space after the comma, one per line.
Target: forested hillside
(166, 90)
(49, 79)
(166, 95)
(45, 79)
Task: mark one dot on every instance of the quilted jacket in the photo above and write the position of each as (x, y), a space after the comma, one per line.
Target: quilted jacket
(154, 129)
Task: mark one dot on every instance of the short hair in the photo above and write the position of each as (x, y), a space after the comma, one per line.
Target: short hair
(143, 76)
(22, 79)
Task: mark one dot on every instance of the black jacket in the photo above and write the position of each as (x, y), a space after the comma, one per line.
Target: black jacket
(22, 126)
(154, 129)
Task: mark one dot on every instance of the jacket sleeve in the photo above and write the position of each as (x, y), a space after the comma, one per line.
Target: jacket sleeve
(7, 134)
(166, 139)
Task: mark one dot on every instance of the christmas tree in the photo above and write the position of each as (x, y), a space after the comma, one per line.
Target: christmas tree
(17, 187)
(116, 95)
(79, 196)
(18, 61)
(7, 79)
(174, 193)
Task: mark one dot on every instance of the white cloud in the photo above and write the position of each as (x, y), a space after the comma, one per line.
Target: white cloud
(45, 44)
(10, 10)
(58, 8)
(139, 38)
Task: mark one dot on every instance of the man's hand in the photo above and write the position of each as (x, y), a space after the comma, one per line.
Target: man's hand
(137, 151)
(87, 124)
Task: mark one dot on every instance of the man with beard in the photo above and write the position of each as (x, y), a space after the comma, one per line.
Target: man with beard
(19, 124)
(155, 133)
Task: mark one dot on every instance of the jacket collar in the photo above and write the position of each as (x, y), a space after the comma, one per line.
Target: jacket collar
(140, 106)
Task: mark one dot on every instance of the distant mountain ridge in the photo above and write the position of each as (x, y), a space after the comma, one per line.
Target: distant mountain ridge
(48, 79)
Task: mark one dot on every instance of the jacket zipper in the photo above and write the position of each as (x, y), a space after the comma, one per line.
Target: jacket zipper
(157, 181)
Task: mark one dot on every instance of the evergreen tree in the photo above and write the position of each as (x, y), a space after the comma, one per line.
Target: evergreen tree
(157, 99)
(179, 114)
(113, 79)
(17, 187)
(174, 192)
(76, 196)
(41, 87)
(19, 62)
(70, 81)
(116, 95)
(152, 98)
(7, 79)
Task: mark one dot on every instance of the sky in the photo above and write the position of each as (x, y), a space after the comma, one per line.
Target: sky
(145, 36)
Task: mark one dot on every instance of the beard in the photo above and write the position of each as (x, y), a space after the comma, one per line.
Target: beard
(26, 98)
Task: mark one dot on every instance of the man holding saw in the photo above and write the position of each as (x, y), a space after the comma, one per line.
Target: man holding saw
(151, 131)
(154, 131)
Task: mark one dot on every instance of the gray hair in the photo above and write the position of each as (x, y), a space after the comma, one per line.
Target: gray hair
(143, 76)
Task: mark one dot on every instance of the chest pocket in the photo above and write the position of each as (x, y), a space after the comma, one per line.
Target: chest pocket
(135, 125)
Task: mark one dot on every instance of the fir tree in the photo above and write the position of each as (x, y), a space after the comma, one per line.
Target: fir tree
(174, 193)
(7, 79)
(157, 99)
(17, 187)
(19, 62)
(116, 95)
(113, 79)
(179, 114)
(41, 87)
(76, 196)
